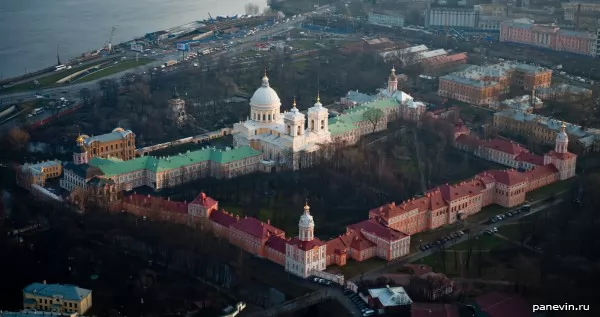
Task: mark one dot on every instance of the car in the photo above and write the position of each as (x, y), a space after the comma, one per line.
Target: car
(526, 208)
(422, 248)
(460, 233)
(494, 230)
(509, 214)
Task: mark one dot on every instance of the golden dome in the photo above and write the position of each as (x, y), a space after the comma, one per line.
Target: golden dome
(118, 130)
(81, 138)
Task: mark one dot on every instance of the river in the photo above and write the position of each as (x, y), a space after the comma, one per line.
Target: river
(32, 30)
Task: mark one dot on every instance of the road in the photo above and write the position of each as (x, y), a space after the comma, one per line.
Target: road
(240, 45)
(309, 300)
(482, 226)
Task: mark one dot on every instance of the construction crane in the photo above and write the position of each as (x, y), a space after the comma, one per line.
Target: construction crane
(108, 43)
(214, 23)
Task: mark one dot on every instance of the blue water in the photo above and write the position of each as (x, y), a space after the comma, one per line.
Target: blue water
(31, 30)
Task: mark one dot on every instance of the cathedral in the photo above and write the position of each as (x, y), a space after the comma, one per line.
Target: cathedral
(281, 136)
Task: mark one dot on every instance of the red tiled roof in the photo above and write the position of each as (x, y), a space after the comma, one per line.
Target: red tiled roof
(460, 128)
(505, 146)
(276, 243)
(339, 244)
(434, 310)
(204, 200)
(468, 140)
(157, 202)
(372, 226)
(497, 304)
(561, 156)
(540, 172)
(222, 218)
(361, 243)
(306, 245)
(530, 158)
(257, 228)
(506, 177)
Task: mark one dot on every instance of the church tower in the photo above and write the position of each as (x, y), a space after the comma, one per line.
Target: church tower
(294, 121)
(564, 161)
(392, 82)
(80, 155)
(318, 118)
(306, 225)
(562, 140)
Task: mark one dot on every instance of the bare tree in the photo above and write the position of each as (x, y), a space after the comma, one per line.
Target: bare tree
(18, 139)
(251, 9)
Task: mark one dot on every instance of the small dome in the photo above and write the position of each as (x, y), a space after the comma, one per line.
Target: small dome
(265, 95)
(393, 74)
(118, 130)
(306, 220)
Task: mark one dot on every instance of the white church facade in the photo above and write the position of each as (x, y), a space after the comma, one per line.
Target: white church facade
(291, 137)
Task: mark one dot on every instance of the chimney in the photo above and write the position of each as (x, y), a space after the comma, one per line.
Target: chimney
(237, 217)
(203, 196)
(269, 221)
(44, 282)
(245, 217)
(168, 198)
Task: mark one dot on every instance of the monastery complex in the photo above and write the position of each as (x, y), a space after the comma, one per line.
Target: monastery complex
(270, 138)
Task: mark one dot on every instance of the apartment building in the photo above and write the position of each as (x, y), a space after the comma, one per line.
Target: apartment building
(543, 129)
(57, 298)
(548, 36)
(38, 173)
(484, 85)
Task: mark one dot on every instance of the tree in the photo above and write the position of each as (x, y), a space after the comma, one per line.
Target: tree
(18, 139)
(374, 116)
(252, 9)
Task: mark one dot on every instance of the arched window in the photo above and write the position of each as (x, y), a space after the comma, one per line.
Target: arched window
(299, 130)
(264, 116)
(289, 130)
(322, 124)
(312, 125)
(269, 117)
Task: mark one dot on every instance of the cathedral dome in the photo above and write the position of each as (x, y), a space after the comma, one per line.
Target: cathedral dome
(265, 95)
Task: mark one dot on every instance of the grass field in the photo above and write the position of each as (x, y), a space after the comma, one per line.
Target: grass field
(122, 66)
(354, 268)
(546, 191)
(51, 78)
(492, 258)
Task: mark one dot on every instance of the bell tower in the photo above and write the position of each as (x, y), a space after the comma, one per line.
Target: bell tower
(392, 82)
(318, 118)
(306, 225)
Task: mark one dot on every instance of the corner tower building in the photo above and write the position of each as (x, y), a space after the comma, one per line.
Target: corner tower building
(305, 253)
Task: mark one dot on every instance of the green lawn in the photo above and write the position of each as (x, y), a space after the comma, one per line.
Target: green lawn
(546, 191)
(113, 69)
(459, 254)
(52, 78)
(513, 231)
(354, 268)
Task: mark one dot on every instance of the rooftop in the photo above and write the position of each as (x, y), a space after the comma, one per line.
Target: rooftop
(257, 228)
(374, 227)
(481, 76)
(112, 167)
(38, 167)
(391, 296)
(68, 292)
(116, 134)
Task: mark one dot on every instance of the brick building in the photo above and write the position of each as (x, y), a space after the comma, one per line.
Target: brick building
(548, 36)
(484, 85)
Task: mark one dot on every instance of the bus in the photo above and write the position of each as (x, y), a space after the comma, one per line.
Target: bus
(60, 67)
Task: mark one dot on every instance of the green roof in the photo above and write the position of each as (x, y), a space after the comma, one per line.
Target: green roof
(347, 121)
(113, 167)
